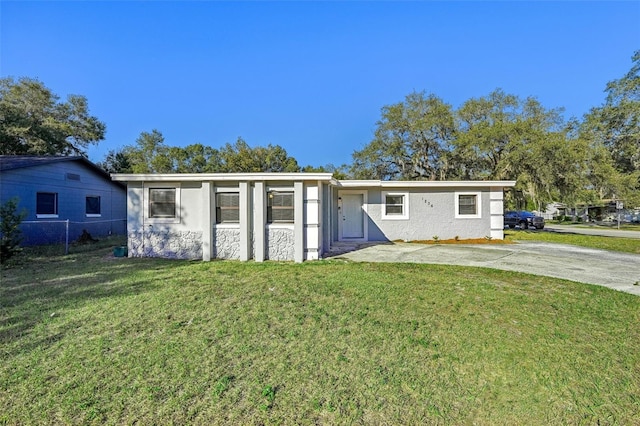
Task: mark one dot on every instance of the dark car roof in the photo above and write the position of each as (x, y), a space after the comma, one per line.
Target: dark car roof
(520, 213)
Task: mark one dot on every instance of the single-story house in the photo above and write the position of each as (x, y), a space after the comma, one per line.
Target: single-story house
(298, 216)
(60, 193)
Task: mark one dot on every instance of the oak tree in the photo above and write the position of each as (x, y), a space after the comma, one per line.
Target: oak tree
(33, 121)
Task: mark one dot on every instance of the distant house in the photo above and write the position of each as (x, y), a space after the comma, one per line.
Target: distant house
(59, 192)
(298, 216)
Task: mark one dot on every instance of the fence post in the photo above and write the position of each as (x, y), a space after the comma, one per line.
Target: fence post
(66, 244)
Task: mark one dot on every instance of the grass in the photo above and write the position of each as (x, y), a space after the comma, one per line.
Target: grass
(614, 225)
(627, 245)
(604, 225)
(90, 339)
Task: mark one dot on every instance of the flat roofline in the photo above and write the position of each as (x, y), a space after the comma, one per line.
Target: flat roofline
(222, 177)
(290, 177)
(424, 183)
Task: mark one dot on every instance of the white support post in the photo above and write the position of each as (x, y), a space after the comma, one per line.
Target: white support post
(298, 221)
(245, 222)
(496, 213)
(259, 221)
(208, 217)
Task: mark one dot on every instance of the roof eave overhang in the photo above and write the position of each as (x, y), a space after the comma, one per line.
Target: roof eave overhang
(224, 177)
(425, 184)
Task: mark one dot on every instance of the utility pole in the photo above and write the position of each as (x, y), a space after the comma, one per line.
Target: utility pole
(619, 207)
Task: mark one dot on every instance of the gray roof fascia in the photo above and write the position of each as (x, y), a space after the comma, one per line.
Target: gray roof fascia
(223, 177)
(425, 184)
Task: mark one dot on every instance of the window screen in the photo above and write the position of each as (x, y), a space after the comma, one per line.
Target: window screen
(280, 207)
(467, 204)
(227, 207)
(162, 202)
(92, 205)
(394, 204)
(47, 203)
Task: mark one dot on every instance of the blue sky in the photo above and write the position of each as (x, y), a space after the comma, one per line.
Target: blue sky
(309, 76)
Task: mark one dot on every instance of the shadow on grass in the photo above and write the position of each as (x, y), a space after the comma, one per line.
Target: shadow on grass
(38, 287)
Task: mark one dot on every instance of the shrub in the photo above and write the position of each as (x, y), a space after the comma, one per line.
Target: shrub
(10, 233)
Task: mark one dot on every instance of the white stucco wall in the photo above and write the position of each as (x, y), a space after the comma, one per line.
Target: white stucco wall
(194, 225)
(226, 243)
(165, 243)
(179, 238)
(431, 213)
(280, 242)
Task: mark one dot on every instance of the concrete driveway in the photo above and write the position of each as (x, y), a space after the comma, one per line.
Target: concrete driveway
(619, 271)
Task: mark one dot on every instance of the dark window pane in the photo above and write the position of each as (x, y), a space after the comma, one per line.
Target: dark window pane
(394, 204)
(228, 207)
(46, 203)
(228, 199)
(162, 202)
(93, 205)
(280, 207)
(163, 195)
(281, 215)
(466, 204)
(281, 199)
(395, 199)
(394, 209)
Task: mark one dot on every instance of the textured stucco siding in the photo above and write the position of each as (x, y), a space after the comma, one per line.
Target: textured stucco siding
(280, 243)
(166, 243)
(226, 244)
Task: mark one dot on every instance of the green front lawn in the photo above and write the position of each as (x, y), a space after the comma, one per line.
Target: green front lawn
(89, 339)
(627, 245)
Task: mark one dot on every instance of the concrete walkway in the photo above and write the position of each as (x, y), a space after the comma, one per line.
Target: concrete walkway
(619, 271)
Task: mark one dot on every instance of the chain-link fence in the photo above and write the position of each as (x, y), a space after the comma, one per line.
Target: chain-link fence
(68, 232)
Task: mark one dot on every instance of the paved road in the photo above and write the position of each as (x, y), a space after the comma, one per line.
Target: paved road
(595, 230)
(619, 271)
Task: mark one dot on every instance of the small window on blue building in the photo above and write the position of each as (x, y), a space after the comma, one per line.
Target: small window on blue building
(47, 204)
(93, 206)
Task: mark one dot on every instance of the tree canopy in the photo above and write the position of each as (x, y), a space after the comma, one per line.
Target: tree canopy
(502, 136)
(412, 141)
(498, 136)
(33, 120)
(613, 133)
(150, 154)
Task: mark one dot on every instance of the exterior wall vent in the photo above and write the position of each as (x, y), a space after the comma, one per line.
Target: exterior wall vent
(73, 176)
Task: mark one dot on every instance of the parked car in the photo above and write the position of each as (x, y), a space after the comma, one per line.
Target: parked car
(523, 219)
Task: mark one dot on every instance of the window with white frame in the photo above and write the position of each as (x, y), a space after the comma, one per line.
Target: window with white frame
(467, 205)
(396, 205)
(280, 207)
(92, 206)
(47, 204)
(162, 203)
(228, 207)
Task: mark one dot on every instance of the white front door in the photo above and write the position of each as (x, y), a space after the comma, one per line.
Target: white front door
(351, 217)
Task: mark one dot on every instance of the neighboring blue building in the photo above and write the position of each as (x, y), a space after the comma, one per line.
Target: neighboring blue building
(54, 189)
